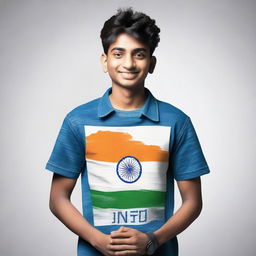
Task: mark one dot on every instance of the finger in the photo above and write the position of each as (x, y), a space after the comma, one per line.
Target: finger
(127, 253)
(118, 234)
(122, 247)
(121, 241)
(123, 229)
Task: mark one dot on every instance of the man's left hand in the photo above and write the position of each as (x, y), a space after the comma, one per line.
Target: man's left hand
(128, 241)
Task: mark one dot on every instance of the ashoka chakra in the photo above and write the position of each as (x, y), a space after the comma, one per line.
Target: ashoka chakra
(129, 169)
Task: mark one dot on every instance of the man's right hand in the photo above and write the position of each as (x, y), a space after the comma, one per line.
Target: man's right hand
(102, 243)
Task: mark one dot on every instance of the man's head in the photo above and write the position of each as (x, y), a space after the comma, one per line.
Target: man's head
(136, 24)
(129, 40)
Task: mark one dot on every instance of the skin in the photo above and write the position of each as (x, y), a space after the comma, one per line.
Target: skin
(128, 63)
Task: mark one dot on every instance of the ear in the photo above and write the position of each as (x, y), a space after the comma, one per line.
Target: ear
(104, 62)
(152, 64)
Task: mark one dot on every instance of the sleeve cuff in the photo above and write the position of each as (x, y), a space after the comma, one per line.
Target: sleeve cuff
(61, 171)
(193, 174)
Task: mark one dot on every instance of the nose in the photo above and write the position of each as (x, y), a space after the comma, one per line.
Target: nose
(128, 62)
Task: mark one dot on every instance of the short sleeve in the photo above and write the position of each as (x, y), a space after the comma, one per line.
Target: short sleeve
(68, 155)
(188, 160)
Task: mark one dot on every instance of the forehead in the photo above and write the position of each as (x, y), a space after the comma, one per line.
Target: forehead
(128, 43)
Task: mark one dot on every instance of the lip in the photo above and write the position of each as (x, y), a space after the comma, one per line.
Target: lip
(128, 75)
(129, 72)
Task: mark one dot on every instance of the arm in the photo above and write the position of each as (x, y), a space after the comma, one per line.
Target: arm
(190, 209)
(64, 210)
(190, 191)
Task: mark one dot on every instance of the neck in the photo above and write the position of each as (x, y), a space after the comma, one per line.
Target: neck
(127, 98)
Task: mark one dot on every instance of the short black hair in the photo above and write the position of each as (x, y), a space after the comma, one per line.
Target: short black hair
(137, 24)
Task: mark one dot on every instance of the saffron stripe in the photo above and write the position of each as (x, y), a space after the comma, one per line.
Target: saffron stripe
(128, 199)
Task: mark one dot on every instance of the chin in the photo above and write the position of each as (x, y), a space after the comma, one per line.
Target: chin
(130, 86)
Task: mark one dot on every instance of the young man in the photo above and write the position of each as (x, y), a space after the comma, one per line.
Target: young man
(128, 147)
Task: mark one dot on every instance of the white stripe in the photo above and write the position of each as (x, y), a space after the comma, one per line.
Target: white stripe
(103, 176)
(135, 216)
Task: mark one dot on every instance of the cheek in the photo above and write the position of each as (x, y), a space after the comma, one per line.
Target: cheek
(112, 64)
(112, 69)
(145, 67)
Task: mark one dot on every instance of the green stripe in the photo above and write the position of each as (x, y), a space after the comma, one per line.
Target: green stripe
(128, 199)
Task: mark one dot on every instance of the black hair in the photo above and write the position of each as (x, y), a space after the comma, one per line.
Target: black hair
(137, 24)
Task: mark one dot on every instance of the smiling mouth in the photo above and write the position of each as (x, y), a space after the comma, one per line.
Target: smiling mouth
(128, 75)
(128, 72)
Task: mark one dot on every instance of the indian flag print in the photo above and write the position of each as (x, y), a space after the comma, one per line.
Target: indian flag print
(127, 173)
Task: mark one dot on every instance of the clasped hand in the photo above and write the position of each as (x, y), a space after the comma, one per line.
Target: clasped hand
(124, 241)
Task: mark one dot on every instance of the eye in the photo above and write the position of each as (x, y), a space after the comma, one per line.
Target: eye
(118, 54)
(140, 55)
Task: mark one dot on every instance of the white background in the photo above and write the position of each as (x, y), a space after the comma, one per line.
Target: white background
(50, 63)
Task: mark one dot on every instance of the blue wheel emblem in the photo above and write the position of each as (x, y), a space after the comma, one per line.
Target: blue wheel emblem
(129, 169)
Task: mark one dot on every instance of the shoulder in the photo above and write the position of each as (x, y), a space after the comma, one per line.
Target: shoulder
(171, 114)
(83, 112)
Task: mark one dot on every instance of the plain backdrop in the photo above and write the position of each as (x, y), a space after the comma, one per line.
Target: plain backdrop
(50, 63)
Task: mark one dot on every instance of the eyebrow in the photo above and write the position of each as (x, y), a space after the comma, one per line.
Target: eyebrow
(123, 50)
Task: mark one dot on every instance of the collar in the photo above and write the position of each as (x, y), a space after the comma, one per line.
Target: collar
(149, 109)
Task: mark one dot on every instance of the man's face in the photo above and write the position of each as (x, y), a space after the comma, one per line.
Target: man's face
(128, 62)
